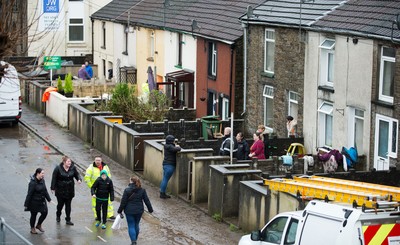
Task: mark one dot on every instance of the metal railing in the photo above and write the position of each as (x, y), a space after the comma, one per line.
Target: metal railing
(3, 226)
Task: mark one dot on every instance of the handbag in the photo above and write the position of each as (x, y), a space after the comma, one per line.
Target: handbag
(117, 222)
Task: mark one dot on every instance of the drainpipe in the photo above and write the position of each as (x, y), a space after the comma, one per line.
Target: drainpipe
(92, 40)
(244, 67)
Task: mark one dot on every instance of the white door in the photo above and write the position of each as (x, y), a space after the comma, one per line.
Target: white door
(383, 129)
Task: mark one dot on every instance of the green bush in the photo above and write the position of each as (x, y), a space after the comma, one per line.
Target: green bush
(60, 87)
(68, 87)
(125, 102)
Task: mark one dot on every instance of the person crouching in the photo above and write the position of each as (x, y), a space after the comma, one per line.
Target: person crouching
(102, 189)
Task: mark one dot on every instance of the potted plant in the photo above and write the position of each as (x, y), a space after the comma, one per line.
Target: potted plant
(60, 88)
(68, 87)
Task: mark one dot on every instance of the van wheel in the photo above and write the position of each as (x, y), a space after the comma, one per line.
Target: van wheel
(14, 123)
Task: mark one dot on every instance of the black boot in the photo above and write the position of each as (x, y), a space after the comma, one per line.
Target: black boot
(163, 195)
(58, 219)
(68, 221)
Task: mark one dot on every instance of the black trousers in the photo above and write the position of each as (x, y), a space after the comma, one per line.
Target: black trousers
(101, 208)
(60, 204)
(42, 217)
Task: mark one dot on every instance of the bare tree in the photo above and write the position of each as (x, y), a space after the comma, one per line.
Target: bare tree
(13, 27)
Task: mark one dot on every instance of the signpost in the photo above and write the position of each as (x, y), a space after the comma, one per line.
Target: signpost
(50, 63)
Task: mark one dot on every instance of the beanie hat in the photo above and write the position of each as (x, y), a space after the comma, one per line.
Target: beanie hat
(103, 172)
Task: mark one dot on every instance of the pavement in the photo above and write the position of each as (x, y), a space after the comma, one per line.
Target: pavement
(174, 213)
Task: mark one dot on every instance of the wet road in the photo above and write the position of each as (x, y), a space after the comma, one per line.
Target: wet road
(22, 152)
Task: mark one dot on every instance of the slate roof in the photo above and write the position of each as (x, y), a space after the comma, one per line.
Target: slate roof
(291, 12)
(216, 19)
(371, 18)
(366, 18)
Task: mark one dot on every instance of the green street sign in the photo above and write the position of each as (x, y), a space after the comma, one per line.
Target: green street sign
(52, 62)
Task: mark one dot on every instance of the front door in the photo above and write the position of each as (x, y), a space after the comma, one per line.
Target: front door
(383, 142)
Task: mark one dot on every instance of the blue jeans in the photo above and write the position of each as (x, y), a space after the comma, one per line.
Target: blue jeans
(168, 171)
(133, 225)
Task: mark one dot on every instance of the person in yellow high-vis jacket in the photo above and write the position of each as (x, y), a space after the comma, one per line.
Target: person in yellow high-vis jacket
(92, 173)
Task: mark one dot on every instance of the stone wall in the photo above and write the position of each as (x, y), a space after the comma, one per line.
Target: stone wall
(239, 58)
(92, 88)
(387, 109)
(288, 76)
(189, 130)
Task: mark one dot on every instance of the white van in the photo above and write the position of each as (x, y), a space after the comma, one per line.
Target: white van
(323, 223)
(10, 94)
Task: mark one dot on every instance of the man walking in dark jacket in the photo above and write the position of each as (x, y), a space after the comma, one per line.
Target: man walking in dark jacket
(102, 189)
(169, 163)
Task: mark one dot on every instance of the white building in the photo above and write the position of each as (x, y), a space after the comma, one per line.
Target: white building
(61, 27)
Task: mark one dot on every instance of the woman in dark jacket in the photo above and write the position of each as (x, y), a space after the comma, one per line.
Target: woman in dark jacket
(243, 149)
(132, 205)
(62, 183)
(35, 200)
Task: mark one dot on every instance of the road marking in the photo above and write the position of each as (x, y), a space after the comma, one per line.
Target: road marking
(88, 229)
(101, 238)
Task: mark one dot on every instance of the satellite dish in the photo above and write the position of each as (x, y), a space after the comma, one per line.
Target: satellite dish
(249, 12)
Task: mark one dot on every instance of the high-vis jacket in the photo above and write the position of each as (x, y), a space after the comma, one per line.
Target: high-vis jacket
(93, 172)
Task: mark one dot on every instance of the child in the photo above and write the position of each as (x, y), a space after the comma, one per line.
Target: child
(102, 188)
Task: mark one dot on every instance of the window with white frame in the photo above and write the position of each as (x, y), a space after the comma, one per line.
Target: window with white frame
(356, 129)
(325, 118)
(126, 33)
(269, 51)
(386, 136)
(180, 43)
(103, 30)
(225, 109)
(151, 45)
(327, 62)
(386, 74)
(76, 28)
(293, 104)
(212, 59)
(268, 95)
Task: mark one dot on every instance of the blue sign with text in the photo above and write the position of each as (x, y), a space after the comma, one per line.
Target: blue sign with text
(51, 6)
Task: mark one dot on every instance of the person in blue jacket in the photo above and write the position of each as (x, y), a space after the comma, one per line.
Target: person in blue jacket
(132, 205)
(89, 69)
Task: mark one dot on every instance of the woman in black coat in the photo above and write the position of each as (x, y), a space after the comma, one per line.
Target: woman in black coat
(62, 183)
(35, 200)
(132, 205)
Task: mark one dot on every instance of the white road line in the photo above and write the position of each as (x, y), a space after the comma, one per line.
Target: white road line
(101, 238)
(87, 228)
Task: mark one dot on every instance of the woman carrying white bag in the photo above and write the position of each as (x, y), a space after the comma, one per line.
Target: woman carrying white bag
(132, 205)
(117, 222)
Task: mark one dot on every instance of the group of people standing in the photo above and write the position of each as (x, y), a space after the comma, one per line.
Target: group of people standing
(86, 71)
(240, 147)
(98, 179)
